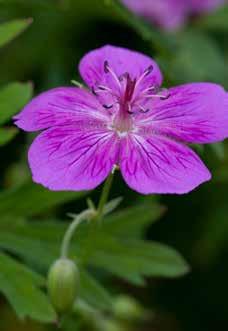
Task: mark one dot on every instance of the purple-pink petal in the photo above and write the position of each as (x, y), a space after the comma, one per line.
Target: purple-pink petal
(60, 106)
(121, 61)
(195, 113)
(61, 158)
(160, 165)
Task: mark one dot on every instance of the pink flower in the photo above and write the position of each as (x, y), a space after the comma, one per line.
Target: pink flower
(171, 14)
(200, 6)
(124, 118)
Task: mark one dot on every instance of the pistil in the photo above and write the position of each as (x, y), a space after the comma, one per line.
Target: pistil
(126, 93)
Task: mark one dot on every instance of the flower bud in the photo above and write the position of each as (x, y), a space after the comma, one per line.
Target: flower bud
(127, 308)
(63, 283)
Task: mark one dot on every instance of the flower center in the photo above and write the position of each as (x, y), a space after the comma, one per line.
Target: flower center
(129, 96)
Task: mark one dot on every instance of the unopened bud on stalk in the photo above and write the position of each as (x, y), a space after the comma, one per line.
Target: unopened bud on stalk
(63, 284)
(127, 308)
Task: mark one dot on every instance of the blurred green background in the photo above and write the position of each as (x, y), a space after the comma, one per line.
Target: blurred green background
(46, 54)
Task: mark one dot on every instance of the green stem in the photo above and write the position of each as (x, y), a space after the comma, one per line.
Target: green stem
(88, 214)
(104, 196)
(97, 218)
(85, 215)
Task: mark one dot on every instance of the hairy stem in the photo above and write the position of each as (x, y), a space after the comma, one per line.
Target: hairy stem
(88, 214)
(85, 215)
(104, 196)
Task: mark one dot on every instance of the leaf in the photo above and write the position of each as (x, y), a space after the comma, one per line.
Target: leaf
(31, 250)
(12, 29)
(21, 287)
(112, 205)
(93, 292)
(71, 323)
(12, 98)
(41, 246)
(6, 135)
(31, 199)
(219, 150)
(216, 20)
(133, 259)
(130, 259)
(190, 62)
(131, 222)
(37, 241)
(113, 249)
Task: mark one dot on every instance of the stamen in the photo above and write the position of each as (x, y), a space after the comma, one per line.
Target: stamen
(161, 93)
(123, 76)
(100, 89)
(108, 69)
(144, 74)
(107, 106)
(143, 110)
(93, 91)
(153, 89)
(152, 96)
(130, 100)
(164, 94)
(129, 109)
(104, 88)
(149, 70)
